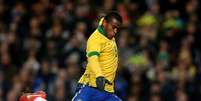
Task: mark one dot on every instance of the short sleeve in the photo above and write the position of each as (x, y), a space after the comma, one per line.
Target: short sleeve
(93, 48)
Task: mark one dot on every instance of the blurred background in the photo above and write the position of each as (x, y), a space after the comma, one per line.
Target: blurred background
(42, 47)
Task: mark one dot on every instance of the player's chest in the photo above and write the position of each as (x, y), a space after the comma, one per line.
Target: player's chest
(109, 47)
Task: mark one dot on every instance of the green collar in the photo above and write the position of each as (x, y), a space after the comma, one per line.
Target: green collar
(100, 29)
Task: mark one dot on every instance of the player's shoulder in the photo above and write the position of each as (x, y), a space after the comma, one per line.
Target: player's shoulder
(95, 36)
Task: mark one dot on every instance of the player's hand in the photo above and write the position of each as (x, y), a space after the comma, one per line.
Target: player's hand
(100, 82)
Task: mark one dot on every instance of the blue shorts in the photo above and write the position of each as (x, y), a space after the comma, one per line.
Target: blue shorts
(86, 93)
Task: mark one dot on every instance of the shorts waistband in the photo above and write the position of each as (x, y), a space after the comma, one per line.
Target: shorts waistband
(85, 85)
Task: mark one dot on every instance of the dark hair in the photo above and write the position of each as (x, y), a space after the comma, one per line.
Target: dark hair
(114, 15)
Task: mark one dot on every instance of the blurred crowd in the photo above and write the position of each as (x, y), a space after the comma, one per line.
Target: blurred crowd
(42, 47)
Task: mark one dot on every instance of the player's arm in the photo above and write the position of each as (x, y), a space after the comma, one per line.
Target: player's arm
(94, 63)
(95, 67)
(93, 53)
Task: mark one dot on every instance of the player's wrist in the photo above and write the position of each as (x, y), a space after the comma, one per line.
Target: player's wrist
(100, 82)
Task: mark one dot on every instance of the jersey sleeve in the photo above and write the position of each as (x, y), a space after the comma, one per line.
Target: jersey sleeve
(93, 48)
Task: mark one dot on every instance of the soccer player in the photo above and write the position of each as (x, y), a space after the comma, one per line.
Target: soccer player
(97, 83)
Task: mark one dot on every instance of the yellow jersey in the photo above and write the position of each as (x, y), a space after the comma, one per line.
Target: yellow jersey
(98, 45)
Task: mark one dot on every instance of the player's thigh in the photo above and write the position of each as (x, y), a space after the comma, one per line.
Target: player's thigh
(89, 94)
(98, 95)
(81, 95)
(113, 97)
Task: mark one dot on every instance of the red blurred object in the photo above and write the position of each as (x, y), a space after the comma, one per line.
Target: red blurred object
(37, 96)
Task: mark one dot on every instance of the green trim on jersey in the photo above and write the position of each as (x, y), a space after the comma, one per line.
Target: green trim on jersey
(100, 29)
(92, 53)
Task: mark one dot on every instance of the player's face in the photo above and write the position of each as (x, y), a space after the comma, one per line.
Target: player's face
(113, 28)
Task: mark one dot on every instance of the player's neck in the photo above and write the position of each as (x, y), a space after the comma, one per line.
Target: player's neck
(102, 31)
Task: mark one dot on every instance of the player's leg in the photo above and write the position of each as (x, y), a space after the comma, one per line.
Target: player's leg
(98, 95)
(113, 97)
(87, 93)
(83, 94)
